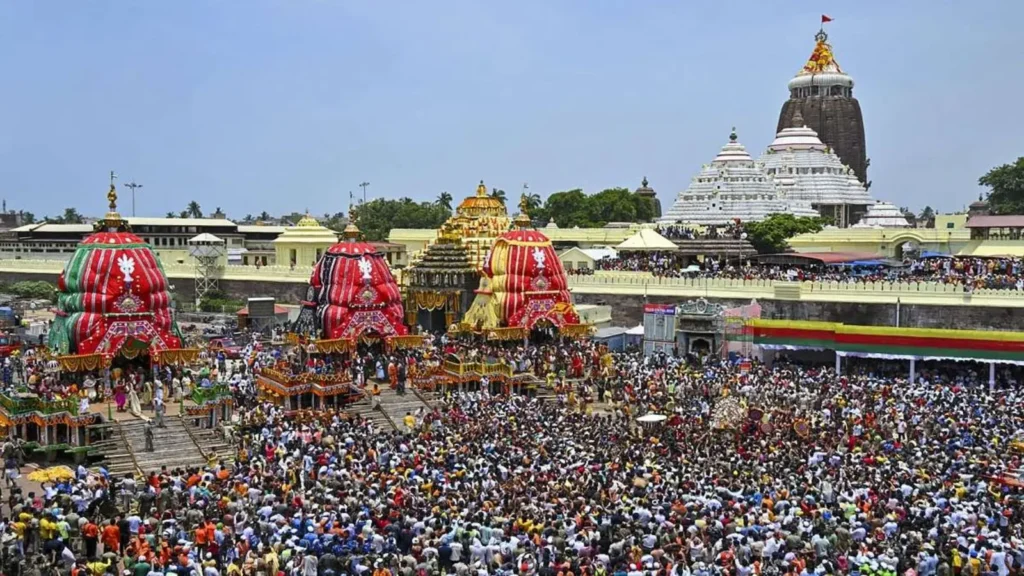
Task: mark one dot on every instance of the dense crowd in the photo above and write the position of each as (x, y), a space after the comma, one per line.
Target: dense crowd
(683, 232)
(972, 273)
(790, 470)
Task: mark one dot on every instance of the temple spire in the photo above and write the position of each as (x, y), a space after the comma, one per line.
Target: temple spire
(522, 221)
(112, 222)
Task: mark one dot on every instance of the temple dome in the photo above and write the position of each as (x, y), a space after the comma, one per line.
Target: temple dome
(883, 215)
(482, 204)
(805, 169)
(732, 187)
(821, 68)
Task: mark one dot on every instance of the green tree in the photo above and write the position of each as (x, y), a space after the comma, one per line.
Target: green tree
(574, 208)
(265, 216)
(377, 217)
(769, 235)
(1006, 188)
(71, 216)
(193, 209)
(28, 218)
(444, 199)
(247, 219)
(533, 202)
(170, 215)
(183, 214)
(498, 193)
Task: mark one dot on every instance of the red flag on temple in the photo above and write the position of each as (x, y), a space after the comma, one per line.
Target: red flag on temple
(825, 18)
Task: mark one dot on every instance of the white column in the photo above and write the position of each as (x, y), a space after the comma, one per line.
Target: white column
(991, 376)
(839, 363)
(913, 370)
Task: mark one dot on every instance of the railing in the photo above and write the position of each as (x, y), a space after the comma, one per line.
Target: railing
(25, 406)
(481, 368)
(174, 270)
(643, 283)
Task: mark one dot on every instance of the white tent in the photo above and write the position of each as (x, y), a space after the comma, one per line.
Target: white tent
(647, 239)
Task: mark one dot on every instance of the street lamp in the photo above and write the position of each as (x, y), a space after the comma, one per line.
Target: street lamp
(363, 186)
(133, 186)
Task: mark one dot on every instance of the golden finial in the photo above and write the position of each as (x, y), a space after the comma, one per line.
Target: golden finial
(112, 222)
(481, 190)
(523, 220)
(112, 194)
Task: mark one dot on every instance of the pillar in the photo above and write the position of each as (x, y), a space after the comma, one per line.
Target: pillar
(839, 363)
(991, 376)
(913, 370)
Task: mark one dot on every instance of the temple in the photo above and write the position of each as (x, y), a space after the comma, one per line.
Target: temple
(647, 192)
(732, 188)
(808, 170)
(822, 94)
(883, 215)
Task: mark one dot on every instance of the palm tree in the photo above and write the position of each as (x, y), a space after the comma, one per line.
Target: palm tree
(194, 210)
(71, 216)
(183, 214)
(248, 218)
(444, 199)
(264, 216)
(499, 194)
(170, 215)
(532, 202)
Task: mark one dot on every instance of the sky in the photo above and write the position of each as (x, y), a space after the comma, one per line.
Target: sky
(287, 105)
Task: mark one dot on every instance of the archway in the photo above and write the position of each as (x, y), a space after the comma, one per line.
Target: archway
(700, 346)
(543, 330)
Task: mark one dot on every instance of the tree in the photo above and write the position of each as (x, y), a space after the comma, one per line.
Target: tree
(1006, 188)
(247, 219)
(377, 217)
(27, 217)
(574, 208)
(769, 235)
(909, 215)
(170, 215)
(71, 216)
(265, 216)
(183, 214)
(194, 210)
(497, 193)
(927, 214)
(444, 199)
(533, 202)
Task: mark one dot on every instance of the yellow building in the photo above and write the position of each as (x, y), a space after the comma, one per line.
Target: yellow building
(304, 243)
(948, 237)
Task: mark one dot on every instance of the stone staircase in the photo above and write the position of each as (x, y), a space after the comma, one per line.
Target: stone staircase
(212, 443)
(125, 452)
(364, 408)
(396, 406)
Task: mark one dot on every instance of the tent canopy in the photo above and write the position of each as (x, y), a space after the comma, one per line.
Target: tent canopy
(647, 240)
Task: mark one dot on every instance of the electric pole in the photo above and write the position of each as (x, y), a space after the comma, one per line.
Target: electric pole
(133, 186)
(363, 186)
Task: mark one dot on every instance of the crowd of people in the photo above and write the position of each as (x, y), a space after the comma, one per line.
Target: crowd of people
(972, 273)
(789, 469)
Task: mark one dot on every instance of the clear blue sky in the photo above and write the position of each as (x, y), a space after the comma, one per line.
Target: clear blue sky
(287, 104)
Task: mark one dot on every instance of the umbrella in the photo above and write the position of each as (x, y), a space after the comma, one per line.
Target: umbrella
(53, 474)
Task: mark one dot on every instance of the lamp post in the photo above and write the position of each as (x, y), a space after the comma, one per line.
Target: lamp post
(133, 186)
(363, 186)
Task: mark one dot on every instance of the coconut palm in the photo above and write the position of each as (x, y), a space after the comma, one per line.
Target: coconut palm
(499, 194)
(533, 202)
(194, 210)
(170, 215)
(444, 199)
(264, 216)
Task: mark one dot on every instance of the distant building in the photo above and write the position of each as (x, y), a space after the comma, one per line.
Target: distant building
(645, 191)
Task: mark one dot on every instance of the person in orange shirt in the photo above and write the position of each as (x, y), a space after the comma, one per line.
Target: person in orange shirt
(111, 537)
(90, 534)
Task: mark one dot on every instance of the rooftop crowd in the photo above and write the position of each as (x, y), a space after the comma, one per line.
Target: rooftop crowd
(790, 470)
(972, 273)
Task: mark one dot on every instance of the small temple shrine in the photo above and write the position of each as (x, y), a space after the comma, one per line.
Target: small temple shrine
(304, 243)
(883, 215)
(732, 188)
(523, 289)
(806, 169)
